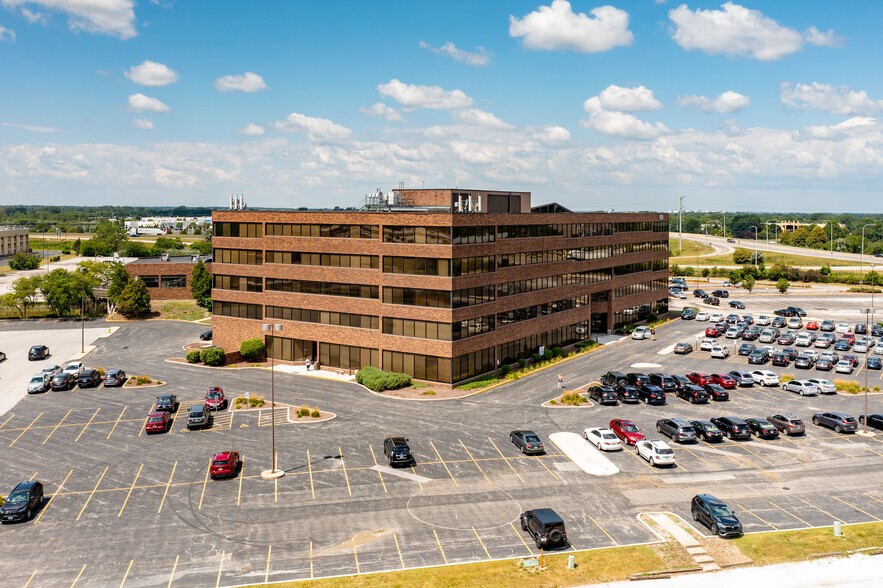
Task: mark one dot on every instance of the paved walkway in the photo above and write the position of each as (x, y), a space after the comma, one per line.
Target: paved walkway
(692, 545)
(301, 370)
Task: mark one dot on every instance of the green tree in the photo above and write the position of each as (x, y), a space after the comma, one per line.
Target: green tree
(742, 256)
(99, 272)
(63, 290)
(134, 300)
(119, 279)
(817, 238)
(201, 285)
(705, 272)
(23, 294)
(94, 247)
(748, 282)
(24, 261)
(112, 234)
(782, 285)
(735, 276)
(134, 249)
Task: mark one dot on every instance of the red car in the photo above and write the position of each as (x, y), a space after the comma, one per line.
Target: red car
(627, 431)
(214, 399)
(225, 464)
(699, 378)
(724, 381)
(158, 422)
(812, 326)
(850, 337)
(712, 331)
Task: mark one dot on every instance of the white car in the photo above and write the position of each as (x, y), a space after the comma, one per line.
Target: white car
(655, 452)
(812, 354)
(823, 386)
(732, 333)
(765, 377)
(763, 321)
(803, 340)
(641, 333)
(802, 387)
(52, 370)
(842, 328)
(706, 344)
(861, 345)
(603, 439)
(794, 322)
(843, 367)
(74, 367)
(716, 318)
(878, 349)
(702, 316)
(677, 294)
(720, 352)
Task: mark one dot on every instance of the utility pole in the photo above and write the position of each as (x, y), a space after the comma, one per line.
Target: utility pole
(680, 216)
(725, 224)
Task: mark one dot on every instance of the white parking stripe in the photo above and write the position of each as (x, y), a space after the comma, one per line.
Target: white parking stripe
(400, 473)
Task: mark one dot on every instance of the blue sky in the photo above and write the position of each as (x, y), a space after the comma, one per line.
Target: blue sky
(760, 106)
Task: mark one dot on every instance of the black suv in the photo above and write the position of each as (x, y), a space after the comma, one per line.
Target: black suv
(627, 394)
(762, 428)
(665, 382)
(22, 502)
(651, 394)
(638, 379)
(63, 381)
(397, 451)
(545, 526)
(603, 394)
(38, 352)
(89, 378)
(715, 515)
(707, 431)
(716, 392)
(166, 403)
(720, 293)
(733, 427)
(614, 379)
(694, 394)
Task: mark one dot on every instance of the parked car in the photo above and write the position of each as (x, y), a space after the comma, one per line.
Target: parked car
(851, 359)
(802, 387)
(720, 293)
(627, 394)
(651, 394)
(225, 464)
(683, 348)
(712, 331)
(206, 335)
(794, 322)
(797, 311)
(398, 452)
(762, 428)
(732, 427)
(720, 352)
(166, 403)
(706, 344)
(603, 439)
(702, 316)
(655, 452)
(790, 352)
(803, 362)
(843, 367)
(840, 422)
(876, 330)
(603, 394)
(693, 394)
(39, 383)
(688, 314)
(637, 379)
(158, 422)
(812, 326)
(713, 301)
(873, 363)
(215, 399)
(827, 325)
(114, 378)
(824, 364)
(875, 421)
(763, 320)
(699, 293)
(780, 359)
(526, 441)
(699, 378)
(765, 377)
(666, 382)
(641, 333)
(725, 381)
(841, 328)
(788, 423)
(746, 348)
(38, 352)
(626, 430)
(544, 526)
(715, 515)
(783, 312)
(52, 370)
(198, 417)
(680, 380)
(716, 392)
(676, 429)
(614, 379)
(74, 367)
(89, 378)
(823, 386)
(21, 503)
(860, 329)
(63, 381)
(759, 357)
(707, 431)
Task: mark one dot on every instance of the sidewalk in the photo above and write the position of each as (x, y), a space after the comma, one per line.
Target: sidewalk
(301, 370)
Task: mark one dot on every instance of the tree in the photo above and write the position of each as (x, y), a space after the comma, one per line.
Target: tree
(135, 249)
(735, 276)
(64, 290)
(748, 283)
(782, 285)
(742, 256)
(94, 247)
(24, 261)
(817, 238)
(201, 285)
(23, 294)
(134, 300)
(119, 279)
(99, 272)
(113, 234)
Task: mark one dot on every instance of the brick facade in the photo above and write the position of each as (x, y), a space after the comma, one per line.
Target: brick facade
(176, 266)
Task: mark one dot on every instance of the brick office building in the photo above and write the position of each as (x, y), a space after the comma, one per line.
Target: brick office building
(168, 277)
(441, 284)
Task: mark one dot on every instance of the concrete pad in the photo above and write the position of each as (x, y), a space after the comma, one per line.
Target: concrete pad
(583, 454)
(400, 473)
(696, 478)
(696, 551)
(674, 529)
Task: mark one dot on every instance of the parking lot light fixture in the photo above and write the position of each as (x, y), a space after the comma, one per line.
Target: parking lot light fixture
(274, 472)
(83, 312)
(755, 244)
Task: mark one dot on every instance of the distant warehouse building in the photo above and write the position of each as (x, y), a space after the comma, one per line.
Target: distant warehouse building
(441, 284)
(167, 277)
(13, 240)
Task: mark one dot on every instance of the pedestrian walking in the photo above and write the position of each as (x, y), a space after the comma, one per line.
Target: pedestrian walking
(653, 334)
(308, 364)
(560, 381)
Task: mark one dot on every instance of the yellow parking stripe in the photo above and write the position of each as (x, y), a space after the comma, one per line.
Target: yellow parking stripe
(481, 543)
(526, 546)
(475, 462)
(437, 540)
(91, 494)
(55, 428)
(820, 510)
(792, 514)
(742, 508)
(401, 559)
(118, 422)
(174, 567)
(25, 429)
(312, 490)
(449, 473)
(537, 457)
(857, 508)
(356, 556)
(220, 569)
(267, 574)
(119, 514)
(311, 559)
(378, 473)
(77, 579)
(741, 446)
(126, 575)
(506, 460)
(9, 418)
(700, 458)
(868, 448)
(29, 579)
(872, 498)
(169, 483)
(48, 504)
(87, 424)
(602, 530)
(241, 475)
(204, 484)
(345, 475)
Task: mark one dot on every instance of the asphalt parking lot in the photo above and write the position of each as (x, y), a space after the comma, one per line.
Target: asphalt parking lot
(129, 509)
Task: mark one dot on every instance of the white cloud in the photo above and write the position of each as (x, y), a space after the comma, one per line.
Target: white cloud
(551, 135)
(315, 128)
(480, 118)
(247, 82)
(479, 58)
(32, 128)
(141, 103)
(151, 73)
(619, 124)
(628, 99)
(557, 27)
(410, 96)
(834, 99)
(728, 102)
(836, 132)
(111, 17)
(251, 129)
(33, 17)
(144, 124)
(6, 34)
(814, 36)
(736, 30)
(381, 110)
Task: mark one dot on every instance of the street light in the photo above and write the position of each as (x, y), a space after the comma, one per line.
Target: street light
(861, 280)
(755, 244)
(83, 312)
(273, 472)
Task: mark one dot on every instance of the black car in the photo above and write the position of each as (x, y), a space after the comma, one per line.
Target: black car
(614, 379)
(746, 348)
(720, 293)
(166, 403)
(861, 329)
(707, 431)
(526, 441)
(751, 334)
(544, 526)
(89, 378)
(874, 420)
(759, 356)
(713, 300)
(715, 515)
(63, 381)
(114, 378)
(876, 330)
(676, 429)
(638, 379)
(38, 352)
(790, 352)
(762, 428)
(398, 452)
(206, 336)
(716, 392)
(688, 314)
(698, 293)
(778, 322)
(693, 394)
(797, 311)
(736, 304)
(651, 394)
(681, 381)
(783, 312)
(626, 393)
(666, 382)
(24, 499)
(780, 359)
(603, 394)
(733, 427)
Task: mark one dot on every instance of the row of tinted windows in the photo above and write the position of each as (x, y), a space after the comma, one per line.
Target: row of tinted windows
(537, 310)
(429, 266)
(241, 283)
(522, 286)
(241, 256)
(326, 259)
(644, 266)
(659, 284)
(318, 230)
(252, 230)
(438, 298)
(237, 309)
(524, 347)
(534, 257)
(164, 281)
(324, 288)
(636, 247)
(306, 315)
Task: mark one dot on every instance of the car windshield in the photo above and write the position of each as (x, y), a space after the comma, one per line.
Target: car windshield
(630, 428)
(36, 380)
(17, 497)
(196, 414)
(721, 510)
(528, 438)
(214, 395)
(711, 427)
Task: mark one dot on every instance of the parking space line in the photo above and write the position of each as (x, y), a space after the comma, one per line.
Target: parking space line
(356, 556)
(241, 475)
(267, 574)
(135, 481)
(77, 579)
(482, 543)
(821, 511)
(33, 476)
(55, 428)
(147, 417)
(87, 424)
(29, 579)
(469, 453)
(872, 498)
(537, 457)
(857, 508)
(312, 490)
(437, 540)
(9, 418)
(640, 459)
(571, 544)
(91, 494)
(514, 471)
(204, 483)
(220, 569)
(378, 472)
(449, 473)
(117, 422)
(25, 429)
(48, 504)
(413, 471)
(401, 559)
(740, 445)
(517, 534)
(276, 489)
(126, 575)
(862, 445)
(311, 560)
(169, 483)
(792, 514)
(345, 475)
(174, 567)
(708, 463)
(602, 529)
(757, 517)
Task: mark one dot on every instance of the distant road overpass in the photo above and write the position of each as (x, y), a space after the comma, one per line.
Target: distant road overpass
(720, 243)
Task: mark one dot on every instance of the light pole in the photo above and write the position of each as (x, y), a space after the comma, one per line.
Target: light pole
(83, 312)
(273, 472)
(861, 279)
(755, 244)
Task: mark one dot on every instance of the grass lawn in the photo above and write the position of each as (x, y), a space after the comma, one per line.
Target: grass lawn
(603, 565)
(693, 248)
(772, 548)
(770, 259)
(184, 310)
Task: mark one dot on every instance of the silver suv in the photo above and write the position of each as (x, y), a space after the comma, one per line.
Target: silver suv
(198, 417)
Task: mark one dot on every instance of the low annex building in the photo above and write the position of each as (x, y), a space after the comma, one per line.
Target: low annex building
(168, 277)
(444, 285)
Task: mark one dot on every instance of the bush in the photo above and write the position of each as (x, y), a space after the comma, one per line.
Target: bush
(786, 378)
(142, 379)
(504, 370)
(782, 285)
(256, 401)
(66, 250)
(237, 402)
(303, 411)
(558, 351)
(193, 356)
(24, 261)
(536, 357)
(315, 412)
(522, 362)
(572, 398)
(213, 356)
(547, 353)
(252, 349)
(379, 380)
(55, 258)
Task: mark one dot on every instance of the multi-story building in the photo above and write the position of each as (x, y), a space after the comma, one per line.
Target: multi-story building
(13, 240)
(441, 284)
(167, 277)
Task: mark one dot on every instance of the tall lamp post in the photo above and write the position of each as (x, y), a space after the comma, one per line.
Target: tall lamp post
(273, 472)
(83, 312)
(755, 244)
(862, 262)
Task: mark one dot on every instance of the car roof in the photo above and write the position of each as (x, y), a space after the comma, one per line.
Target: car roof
(26, 485)
(709, 499)
(402, 440)
(660, 444)
(223, 455)
(165, 397)
(158, 413)
(682, 422)
(547, 515)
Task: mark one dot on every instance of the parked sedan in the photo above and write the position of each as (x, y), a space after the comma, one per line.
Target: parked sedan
(743, 378)
(827, 326)
(712, 331)
(215, 399)
(720, 352)
(763, 320)
(803, 362)
(699, 378)
(89, 378)
(651, 394)
(780, 359)
(603, 395)
(683, 348)
(787, 423)
(762, 428)
(759, 357)
(655, 452)
(812, 326)
(839, 421)
(736, 304)
(52, 370)
(824, 364)
(802, 387)
(716, 392)
(746, 348)
(603, 439)
(725, 381)
(678, 430)
(39, 383)
(707, 431)
(158, 422)
(626, 430)
(526, 441)
(823, 386)
(733, 427)
(206, 335)
(166, 403)
(874, 420)
(114, 378)
(63, 381)
(693, 394)
(765, 377)
(843, 367)
(873, 363)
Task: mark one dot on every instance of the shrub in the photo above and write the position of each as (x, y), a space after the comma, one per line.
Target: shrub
(379, 380)
(504, 370)
(303, 411)
(536, 357)
(429, 392)
(55, 258)
(213, 356)
(315, 412)
(24, 261)
(522, 362)
(252, 349)
(558, 351)
(256, 401)
(553, 401)
(66, 250)
(547, 354)
(142, 379)
(237, 402)
(572, 398)
(782, 285)
(786, 378)
(193, 356)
